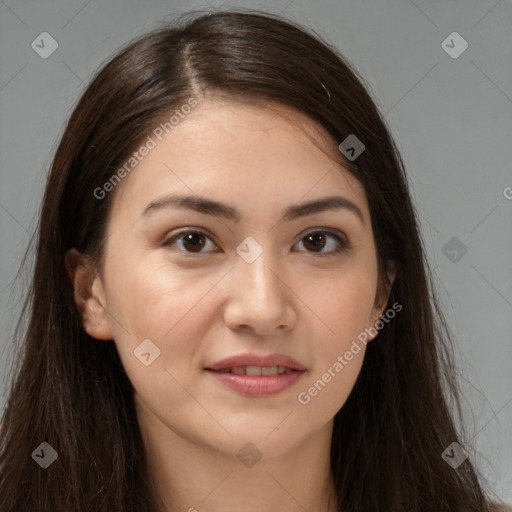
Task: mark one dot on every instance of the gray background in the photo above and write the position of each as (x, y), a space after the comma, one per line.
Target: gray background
(451, 118)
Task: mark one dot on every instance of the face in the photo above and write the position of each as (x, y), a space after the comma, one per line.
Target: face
(182, 289)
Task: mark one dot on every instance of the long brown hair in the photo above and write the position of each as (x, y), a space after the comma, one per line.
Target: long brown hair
(71, 391)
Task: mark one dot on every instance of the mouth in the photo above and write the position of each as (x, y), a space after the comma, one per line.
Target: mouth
(255, 371)
(256, 364)
(255, 381)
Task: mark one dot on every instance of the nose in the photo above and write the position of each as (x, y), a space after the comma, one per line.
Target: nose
(259, 299)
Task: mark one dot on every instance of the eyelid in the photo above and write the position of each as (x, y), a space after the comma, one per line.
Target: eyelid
(325, 229)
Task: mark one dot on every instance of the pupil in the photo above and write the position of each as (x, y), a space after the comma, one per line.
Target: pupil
(312, 237)
(192, 238)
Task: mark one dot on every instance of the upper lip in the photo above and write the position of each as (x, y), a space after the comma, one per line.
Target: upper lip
(257, 360)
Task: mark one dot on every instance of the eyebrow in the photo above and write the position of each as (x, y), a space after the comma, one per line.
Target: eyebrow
(211, 207)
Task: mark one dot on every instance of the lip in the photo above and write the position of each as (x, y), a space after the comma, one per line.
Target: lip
(261, 385)
(257, 360)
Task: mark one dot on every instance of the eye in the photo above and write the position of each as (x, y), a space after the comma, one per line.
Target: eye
(193, 241)
(318, 240)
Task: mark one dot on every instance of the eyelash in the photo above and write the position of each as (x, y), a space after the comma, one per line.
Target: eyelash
(343, 246)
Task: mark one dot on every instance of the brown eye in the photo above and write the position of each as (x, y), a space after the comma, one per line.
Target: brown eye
(191, 241)
(194, 241)
(316, 241)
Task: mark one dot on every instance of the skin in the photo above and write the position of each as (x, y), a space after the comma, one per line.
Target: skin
(200, 307)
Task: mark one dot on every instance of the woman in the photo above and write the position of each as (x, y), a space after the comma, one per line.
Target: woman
(231, 306)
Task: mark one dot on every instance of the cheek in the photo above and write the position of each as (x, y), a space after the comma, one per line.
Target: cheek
(344, 306)
(159, 303)
(163, 307)
(331, 381)
(155, 297)
(344, 303)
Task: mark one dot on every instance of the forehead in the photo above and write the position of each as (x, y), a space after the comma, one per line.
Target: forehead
(228, 150)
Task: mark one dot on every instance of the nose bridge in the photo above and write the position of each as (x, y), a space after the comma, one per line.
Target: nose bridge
(259, 276)
(258, 296)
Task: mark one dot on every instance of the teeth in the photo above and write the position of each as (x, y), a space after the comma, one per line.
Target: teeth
(238, 370)
(255, 371)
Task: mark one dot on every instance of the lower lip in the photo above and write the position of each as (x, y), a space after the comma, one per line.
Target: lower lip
(259, 385)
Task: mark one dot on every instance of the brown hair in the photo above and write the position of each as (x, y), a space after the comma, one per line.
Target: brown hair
(71, 390)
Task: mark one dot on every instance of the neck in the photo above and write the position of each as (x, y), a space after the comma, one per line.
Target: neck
(192, 477)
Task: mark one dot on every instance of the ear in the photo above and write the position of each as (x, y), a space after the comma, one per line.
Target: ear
(89, 295)
(382, 294)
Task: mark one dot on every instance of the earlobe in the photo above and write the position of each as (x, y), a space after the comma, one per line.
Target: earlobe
(89, 295)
